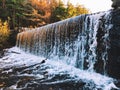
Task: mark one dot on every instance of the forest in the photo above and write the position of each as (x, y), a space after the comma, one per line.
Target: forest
(17, 14)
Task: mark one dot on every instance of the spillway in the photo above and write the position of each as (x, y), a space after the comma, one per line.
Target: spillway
(87, 42)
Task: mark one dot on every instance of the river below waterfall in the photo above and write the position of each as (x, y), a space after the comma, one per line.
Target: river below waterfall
(23, 71)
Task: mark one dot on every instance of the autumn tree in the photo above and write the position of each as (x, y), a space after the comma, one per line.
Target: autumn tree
(19, 12)
(63, 11)
(58, 13)
(44, 9)
(4, 34)
(35, 13)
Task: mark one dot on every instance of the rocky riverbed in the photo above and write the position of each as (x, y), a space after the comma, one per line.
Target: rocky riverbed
(23, 71)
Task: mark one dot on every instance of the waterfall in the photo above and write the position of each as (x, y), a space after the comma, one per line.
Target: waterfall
(82, 41)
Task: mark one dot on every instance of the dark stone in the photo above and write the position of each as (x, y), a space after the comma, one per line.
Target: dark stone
(114, 52)
(116, 4)
(1, 54)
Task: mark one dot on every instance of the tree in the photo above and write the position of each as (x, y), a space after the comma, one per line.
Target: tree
(62, 11)
(81, 10)
(71, 10)
(59, 12)
(4, 34)
(18, 11)
(32, 13)
(35, 13)
(44, 9)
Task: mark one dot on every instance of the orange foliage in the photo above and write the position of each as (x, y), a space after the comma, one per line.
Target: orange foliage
(42, 5)
(45, 6)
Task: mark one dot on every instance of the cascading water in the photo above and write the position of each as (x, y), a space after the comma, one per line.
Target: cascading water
(82, 41)
(75, 54)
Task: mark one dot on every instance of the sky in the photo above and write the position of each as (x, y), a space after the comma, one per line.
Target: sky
(94, 5)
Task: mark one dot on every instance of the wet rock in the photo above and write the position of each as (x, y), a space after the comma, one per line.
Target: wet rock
(116, 4)
(25, 82)
(117, 83)
(2, 53)
(114, 52)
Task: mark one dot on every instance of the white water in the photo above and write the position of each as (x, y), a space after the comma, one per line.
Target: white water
(21, 59)
(77, 47)
(73, 41)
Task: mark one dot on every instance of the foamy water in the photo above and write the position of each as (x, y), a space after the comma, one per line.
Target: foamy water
(17, 58)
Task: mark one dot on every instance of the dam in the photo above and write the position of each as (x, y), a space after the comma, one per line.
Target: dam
(88, 42)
